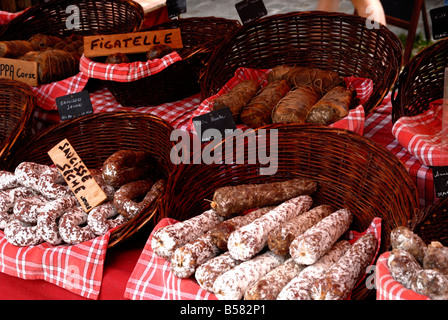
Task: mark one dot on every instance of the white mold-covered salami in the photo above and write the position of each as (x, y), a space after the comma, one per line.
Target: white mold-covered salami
(7, 200)
(208, 272)
(28, 173)
(280, 239)
(403, 266)
(299, 287)
(52, 184)
(308, 247)
(232, 285)
(21, 234)
(167, 239)
(187, 258)
(220, 234)
(341, 278)
(71, 226)
(47, 219)
(8, 180)
(431, 283)
(26, 209)
(245, 242)
(269, 286)
(104, 217)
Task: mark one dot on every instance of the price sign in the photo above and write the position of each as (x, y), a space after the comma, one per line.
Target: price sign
(439, 22)
(74, 105)
(77, 176)
(250, 10)
(221, 120)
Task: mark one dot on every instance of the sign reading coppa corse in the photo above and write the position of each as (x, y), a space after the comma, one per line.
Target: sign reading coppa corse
(136, 42)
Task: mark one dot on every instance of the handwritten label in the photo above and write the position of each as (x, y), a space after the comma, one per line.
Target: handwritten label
(74, 105)
(77, 176)
(440, 176)
(250, 10)
(221, 120)
(439, 22)
(137, 42)
(19, 70)
(176, 7)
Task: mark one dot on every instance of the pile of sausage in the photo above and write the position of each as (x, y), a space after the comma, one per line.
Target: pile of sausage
(37, 205)
(283, 249)
(417, 266)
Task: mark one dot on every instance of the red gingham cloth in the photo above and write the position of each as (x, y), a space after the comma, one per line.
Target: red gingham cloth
(378, 127)
(387, 288)
(76, 268)
(421, 135)
(152, 278)
(126, 72)
(354, 121)
(6, 16)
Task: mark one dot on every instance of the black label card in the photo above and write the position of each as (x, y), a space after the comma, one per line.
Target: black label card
(439, 19)
(221, 120)
(74, 105)
(176, 7)
(440, 176)
(250, 10)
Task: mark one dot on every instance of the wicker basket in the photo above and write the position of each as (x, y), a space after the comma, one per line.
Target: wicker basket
(103, 17)
(352, 171)
(431, 223)
(181, 79)
(95, 137)
(420, 82)
(333, 41)
(17, 103)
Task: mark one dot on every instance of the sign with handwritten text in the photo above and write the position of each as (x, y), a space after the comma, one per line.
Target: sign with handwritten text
(136, 42)
(19, 70)
(77, 176)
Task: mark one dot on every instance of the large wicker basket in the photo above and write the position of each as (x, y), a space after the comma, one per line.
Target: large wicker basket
(95, 137)
(333, 41)
(352, 171)
(181, 79)
(421, 81)
(432, 222)
(96, 17)
(17, 103)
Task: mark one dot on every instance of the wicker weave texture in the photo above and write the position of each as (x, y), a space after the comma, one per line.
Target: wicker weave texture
(17, 103)
(432, 222)
(95, 137)
(95, 17)
(421, 81)
(180, 80)
(333, 41)
(351, 171)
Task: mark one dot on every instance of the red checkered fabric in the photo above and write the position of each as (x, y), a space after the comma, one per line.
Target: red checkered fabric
(354, 121)
(152, 278)
(126, 72)
(378, 127)
(76, 268)
(6, 16)
(421, 135)
(387, 288)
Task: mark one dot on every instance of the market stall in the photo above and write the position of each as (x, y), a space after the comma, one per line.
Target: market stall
(121, 177)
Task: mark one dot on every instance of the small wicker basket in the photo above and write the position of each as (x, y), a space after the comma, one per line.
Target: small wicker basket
(95, 17)
(181, 79)
(333, 41)
(17, 103)
(420, 82)
(352, 171)
(95, 137)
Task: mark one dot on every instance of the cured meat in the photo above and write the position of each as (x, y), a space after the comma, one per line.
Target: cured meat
(403, 266)
(308, 247)
(232, 284)
(280, 239)
(245, 242)
(342, 276)
(232, 200)
(299, 287)
(403, 238)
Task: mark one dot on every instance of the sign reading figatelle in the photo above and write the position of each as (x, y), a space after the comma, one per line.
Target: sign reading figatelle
(136, 42)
